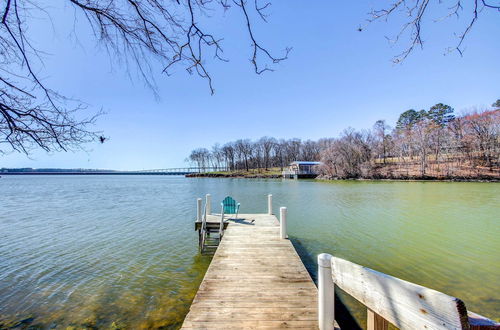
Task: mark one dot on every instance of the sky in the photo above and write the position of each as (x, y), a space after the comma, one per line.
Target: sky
(335, 77)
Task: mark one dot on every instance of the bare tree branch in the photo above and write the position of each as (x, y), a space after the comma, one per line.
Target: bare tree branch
(136, 31)
(415, 12)
(257, 48)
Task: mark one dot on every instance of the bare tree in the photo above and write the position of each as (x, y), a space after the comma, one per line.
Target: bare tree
(267, 144)
(421, 137)
(32, 114)
(381, 130)
(310, 150)
(138, 31)
(484, 127)
(292, 148)
(280, 151)
(244, 151)
(201, 157)
(217, 156)
(346, 155)
(48, 124)
(229, 155)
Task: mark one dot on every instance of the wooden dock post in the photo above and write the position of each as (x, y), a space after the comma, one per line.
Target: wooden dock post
(270, 204)
(208, 201)
(326, 293)
(199, 202)
(283, 222)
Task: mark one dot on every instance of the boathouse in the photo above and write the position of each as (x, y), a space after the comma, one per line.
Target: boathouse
(302, 169)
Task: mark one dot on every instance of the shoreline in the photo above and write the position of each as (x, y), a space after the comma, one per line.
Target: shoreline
(234, 175)
(326, 179)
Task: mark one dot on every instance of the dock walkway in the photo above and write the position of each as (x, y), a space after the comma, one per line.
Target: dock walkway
(255, 281)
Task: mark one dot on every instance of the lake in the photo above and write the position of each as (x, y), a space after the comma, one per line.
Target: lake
(121, 251)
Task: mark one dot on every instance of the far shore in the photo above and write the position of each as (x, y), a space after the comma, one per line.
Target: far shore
(272, 174)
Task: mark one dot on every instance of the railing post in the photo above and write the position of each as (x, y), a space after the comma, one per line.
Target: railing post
(209, 203)
(326, 293)
(375, 321)
(283, 223)
(269, 204)
(198, 209)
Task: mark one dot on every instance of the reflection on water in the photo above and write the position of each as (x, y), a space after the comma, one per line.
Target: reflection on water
(121, 252)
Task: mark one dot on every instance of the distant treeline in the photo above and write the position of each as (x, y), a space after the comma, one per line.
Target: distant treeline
(426, 143)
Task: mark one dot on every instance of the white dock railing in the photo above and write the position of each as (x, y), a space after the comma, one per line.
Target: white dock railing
(208, 202)
(203, 230)
(390, 299)
(283, 212)
(221, 225)
(199, 203)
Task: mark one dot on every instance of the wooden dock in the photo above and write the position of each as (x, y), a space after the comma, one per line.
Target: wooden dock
(256, 280)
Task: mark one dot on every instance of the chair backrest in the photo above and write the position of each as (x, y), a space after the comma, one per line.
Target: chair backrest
(229, 205)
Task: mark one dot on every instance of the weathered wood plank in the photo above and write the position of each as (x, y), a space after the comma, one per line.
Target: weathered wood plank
(255, 303)
(256, 296)
(404, 304)
(286, 292)
(255, 281)
(221, 275)
(249, 325)
(247, 314)
(242, 270)
(256, 262)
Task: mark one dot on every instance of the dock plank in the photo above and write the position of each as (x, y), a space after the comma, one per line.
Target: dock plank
(255, 281)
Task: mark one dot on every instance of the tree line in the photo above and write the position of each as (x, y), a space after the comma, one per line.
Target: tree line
(264, 153)
(142, 34)
(423, 143)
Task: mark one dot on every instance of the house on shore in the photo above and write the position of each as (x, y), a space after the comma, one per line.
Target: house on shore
(301, 170)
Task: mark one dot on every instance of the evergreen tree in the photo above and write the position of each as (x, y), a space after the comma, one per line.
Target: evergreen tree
(441, 114)
(409, 118)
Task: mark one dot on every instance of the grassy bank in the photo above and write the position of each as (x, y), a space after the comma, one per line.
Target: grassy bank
(251, 173)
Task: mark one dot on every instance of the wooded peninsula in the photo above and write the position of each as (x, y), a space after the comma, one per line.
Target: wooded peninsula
(426, 144)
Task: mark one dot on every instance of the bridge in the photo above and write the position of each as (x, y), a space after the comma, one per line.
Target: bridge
(165, 171)
(177, 171)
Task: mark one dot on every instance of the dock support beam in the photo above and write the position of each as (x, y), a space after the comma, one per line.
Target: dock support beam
(326, 293)
(199, 201)
(209, 203)
(270, 204)
(283, 222)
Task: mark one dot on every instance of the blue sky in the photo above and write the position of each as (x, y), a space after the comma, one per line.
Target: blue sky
(335, 77)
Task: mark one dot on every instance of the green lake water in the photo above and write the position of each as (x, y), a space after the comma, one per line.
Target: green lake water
(121, 251)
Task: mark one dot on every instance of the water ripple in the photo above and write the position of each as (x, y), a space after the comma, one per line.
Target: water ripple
(90, 251)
